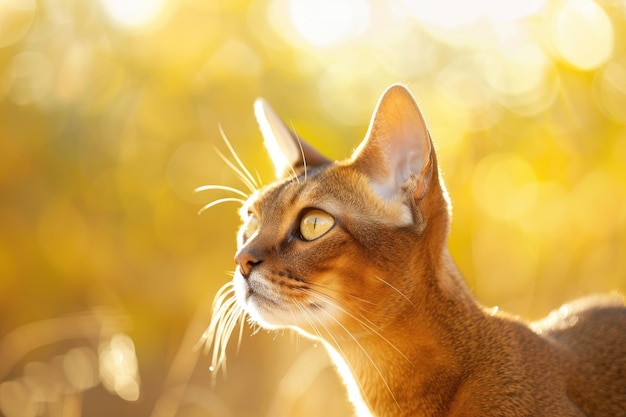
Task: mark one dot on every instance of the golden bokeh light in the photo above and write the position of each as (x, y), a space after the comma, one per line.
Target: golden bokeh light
(16, 18)
(610, 86)
(31, 77)
(324, 23)
(15, 400)
(134, 13)
(583, 34)
(80, 367)
(504, 186)
(113, 112)
(118, 367)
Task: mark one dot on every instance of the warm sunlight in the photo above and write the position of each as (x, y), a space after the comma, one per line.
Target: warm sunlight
(329, 22)
(112, 112)
(455, 13)
(118, 367)
(133, 13)
(16, 17)
(583, 34)
(504, 186)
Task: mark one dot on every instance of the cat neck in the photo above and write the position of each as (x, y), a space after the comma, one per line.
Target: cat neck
(421, 356)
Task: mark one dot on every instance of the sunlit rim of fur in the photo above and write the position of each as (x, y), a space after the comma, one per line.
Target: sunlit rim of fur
(316, 324)
(227, 313)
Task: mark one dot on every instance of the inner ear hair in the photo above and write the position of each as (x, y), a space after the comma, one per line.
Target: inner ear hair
(397, 149)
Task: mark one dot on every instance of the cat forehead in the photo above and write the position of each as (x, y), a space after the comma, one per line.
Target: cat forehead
(338, 189)
(295, 193)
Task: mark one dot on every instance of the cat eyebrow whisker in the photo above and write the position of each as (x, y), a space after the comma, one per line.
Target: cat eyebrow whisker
(258, 177)
(294, 173)
(220, 201)
(293, 129)
(221, 187)
(249, 182)
(245, 173)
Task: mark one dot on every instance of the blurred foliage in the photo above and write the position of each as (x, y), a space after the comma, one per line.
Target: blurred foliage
(109, 118)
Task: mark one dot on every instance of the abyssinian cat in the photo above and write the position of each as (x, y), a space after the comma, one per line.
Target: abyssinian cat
(353, 253)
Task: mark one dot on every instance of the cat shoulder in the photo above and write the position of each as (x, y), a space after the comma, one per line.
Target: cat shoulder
(583, 312)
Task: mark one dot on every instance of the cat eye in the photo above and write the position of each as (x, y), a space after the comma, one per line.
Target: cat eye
(315, 224)
(251, 226)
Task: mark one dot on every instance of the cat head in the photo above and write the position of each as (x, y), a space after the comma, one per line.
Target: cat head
(341, 245)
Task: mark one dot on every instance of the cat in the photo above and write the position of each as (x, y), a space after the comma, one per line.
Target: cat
(353, 254)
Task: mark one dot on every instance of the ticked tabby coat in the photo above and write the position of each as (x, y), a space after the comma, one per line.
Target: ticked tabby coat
(353, 253)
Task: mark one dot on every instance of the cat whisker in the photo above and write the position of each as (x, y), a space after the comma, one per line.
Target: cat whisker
(220, 201)
(226, 314)
(242, 321)
(311, 319)
(250, 184)
(255, 326)
(258, 177)
(363, 321)
(363, 300)
(370, 359)
(222, 187)
(308, 319)
(245, 172)
(367, 324)
(293, 129)
(294, 173)
(225, 329)
(395, 289)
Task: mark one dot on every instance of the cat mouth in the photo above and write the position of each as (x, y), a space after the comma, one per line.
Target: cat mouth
(267, 303)
(254, 288)
(256, 295)
(259, 295)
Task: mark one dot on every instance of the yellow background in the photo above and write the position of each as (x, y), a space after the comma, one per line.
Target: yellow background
(109, 119)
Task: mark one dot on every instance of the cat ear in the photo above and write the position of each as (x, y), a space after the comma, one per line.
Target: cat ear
(396, 151)
(287, 151)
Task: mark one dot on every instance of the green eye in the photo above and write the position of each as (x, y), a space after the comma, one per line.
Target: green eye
(251, 226)
(315, 224)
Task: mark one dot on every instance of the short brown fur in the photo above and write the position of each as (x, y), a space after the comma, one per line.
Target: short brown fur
(382, 292)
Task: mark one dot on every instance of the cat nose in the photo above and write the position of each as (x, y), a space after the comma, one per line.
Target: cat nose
(246, 260)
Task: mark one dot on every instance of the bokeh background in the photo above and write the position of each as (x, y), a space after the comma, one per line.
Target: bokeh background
(110, 115)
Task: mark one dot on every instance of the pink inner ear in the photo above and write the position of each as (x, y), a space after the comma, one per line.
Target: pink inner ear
(397, 147)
